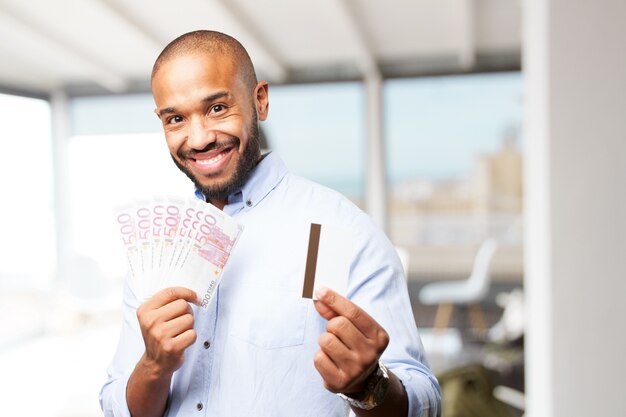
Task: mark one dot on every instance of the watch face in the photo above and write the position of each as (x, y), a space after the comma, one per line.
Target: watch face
(380, 390)
(375, 392)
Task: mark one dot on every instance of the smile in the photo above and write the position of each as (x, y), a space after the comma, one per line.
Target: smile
(205, 162)
(210, 163)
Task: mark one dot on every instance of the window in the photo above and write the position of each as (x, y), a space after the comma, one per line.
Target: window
(454, 167)
(319, 131)
(27, 244)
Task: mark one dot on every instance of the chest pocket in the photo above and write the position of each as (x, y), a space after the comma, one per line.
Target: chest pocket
(269, 318)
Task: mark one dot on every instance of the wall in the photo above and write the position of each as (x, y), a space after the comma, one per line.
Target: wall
(575, 74)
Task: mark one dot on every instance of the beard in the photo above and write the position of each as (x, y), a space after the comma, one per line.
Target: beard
(248, 159)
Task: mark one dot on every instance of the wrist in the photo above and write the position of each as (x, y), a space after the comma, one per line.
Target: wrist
(376, 388)
(147, 390)
(152, 370)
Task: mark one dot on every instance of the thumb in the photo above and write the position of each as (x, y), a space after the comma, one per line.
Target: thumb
(324, 310)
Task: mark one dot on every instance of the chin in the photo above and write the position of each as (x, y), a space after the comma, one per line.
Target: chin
(215, 179)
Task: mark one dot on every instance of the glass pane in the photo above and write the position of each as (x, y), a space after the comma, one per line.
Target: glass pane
(28, 246)
(319, 131)
(116, 114)
(455, 170)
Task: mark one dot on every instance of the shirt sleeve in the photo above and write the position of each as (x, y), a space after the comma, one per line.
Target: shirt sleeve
(129, 350)
(377, 284)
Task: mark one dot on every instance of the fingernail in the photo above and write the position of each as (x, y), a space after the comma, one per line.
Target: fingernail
(321, 292)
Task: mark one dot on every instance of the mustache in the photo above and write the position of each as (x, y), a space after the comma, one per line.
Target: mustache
(229, 142)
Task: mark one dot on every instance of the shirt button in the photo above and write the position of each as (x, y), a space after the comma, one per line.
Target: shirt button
(199, 406)
(249, 203)
(206, 344)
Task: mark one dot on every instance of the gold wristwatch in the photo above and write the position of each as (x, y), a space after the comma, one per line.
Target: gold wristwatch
(375, 391)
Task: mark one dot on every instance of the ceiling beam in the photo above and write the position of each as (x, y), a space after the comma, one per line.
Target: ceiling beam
(157, 40)
(275, 68)
(96, 71)
(366, 61)
(21, 92)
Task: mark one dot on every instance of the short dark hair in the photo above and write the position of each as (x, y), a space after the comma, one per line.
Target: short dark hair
(210, 42)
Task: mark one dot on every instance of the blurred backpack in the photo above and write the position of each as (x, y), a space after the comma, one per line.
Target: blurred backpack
(468, 392)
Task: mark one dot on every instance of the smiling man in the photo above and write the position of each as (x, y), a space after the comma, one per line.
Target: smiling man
(261, 349)
(209, 116)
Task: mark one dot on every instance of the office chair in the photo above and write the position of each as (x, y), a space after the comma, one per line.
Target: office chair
(466, 292)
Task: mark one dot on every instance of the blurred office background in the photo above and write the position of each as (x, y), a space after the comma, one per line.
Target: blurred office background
(486, 137)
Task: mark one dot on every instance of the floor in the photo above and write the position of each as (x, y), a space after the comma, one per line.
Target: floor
(57, 375)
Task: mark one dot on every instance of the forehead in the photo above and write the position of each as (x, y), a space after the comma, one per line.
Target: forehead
(194, 75)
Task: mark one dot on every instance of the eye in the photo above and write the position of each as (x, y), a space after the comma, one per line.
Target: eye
(174, 119)
(217, 108)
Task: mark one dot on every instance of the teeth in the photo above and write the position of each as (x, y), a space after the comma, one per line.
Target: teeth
(210, 161)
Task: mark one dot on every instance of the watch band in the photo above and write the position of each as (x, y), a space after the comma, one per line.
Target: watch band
(375, 391)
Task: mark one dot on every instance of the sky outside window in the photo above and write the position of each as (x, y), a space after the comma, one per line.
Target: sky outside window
(436, 125)
(27, 247)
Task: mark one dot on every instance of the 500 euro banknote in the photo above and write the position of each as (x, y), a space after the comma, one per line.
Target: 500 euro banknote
(175, 242)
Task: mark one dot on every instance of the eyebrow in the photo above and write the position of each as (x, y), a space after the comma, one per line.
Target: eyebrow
(207, 99)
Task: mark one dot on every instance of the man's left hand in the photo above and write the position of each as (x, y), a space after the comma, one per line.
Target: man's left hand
(350, 347)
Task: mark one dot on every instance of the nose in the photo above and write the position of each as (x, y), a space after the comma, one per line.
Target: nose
(200, 134)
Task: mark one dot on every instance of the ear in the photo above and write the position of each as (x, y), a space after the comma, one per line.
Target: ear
(261, 99)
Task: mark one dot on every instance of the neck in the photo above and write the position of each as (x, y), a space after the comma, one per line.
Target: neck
(219, 203)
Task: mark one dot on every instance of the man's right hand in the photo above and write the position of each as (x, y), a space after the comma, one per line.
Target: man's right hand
(166, 322)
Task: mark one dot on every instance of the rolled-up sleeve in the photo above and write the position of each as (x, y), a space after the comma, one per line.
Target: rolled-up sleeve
(129, 350)
(422, 392)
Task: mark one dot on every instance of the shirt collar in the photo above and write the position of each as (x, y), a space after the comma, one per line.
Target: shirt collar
(263, 179)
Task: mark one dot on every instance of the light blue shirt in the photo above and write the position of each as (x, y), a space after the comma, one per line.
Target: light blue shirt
(255, 346)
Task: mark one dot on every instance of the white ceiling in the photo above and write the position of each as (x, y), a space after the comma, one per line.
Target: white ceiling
(109, 45)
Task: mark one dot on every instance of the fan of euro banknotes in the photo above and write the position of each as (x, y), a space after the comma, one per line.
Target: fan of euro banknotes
(176, 242)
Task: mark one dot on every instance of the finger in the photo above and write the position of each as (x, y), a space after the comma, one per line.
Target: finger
(354, 365)
(344, 307)
(335, 349)
(168, 295)
(325, 311)
(177, 325)
(327, 370)
(346, 332)
(174, 309)
(185, 339)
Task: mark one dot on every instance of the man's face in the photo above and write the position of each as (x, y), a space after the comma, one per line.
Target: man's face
(210, 121)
